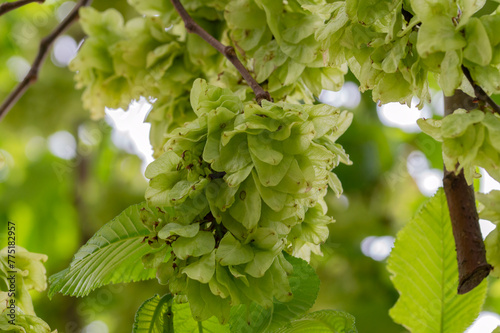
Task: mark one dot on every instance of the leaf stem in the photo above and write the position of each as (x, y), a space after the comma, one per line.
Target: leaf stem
(480, 93)
(200, 327)
(167, 298)
(471, 253)
(8, 6)
(227, 51)
(43, 51)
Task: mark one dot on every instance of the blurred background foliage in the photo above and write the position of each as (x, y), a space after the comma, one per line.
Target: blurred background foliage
(62, 176)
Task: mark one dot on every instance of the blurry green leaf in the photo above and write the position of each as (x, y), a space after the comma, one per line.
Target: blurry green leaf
(424, 270)
(492, 244)
(457, 123)
(491, 206)
(112, 255)
(324, 321)
(438, 35)
(478, 49)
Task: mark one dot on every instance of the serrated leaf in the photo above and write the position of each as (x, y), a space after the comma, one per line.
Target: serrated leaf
(154, 316)
(112, 255)
(424, 270)
(325, 321)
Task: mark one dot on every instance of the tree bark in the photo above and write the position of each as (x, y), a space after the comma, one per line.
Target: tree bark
(471, 253)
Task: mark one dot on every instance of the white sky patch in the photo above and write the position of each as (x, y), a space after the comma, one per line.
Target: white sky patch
(65, 49)
(428, 180)
(377, 248)
(485, 323)
(486, 227)
(63, 145)
(437, 103)
(402, 116)
(19, 67)
(97, 326)
(130, 132)
(487, 182)
(348, 97)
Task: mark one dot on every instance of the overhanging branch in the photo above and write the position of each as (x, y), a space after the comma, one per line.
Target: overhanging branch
(227, 51)
(471, 253)
(43, 51)
(8, 6)
(479, 92)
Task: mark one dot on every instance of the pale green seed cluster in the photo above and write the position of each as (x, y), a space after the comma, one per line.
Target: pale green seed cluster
(16, 306)
(120, 62)
(470, 138)
(277, 40)
(247, 183)
(393, 46)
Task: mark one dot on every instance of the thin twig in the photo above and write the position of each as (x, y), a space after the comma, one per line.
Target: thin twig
(480, 93)
(8, 6)
(43, 51)
(227, 51)
(471, 253)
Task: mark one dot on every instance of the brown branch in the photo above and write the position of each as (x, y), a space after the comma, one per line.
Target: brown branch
(8, 6)
(471, 253)
(480, 93)
(43, 51)
(227, 51)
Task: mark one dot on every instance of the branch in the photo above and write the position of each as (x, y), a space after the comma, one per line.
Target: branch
(480, 93)
(8, 6)
(471, 253)
(43, 51)
(227, 51)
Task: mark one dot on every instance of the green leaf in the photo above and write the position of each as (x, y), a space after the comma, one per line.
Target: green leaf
(232, 252)
(451, 72)
(370, 11)
(491, 203)
(478, 49)
(492, 244)
(154, 316)
(247, 206)
(424, 270)
(304, 285)
(456, 124)
(184, 322)
(196, 246)
(490, 210)
(203, 269)
(112, 255)
(324, 321)
(438, 35)
(179, 229)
